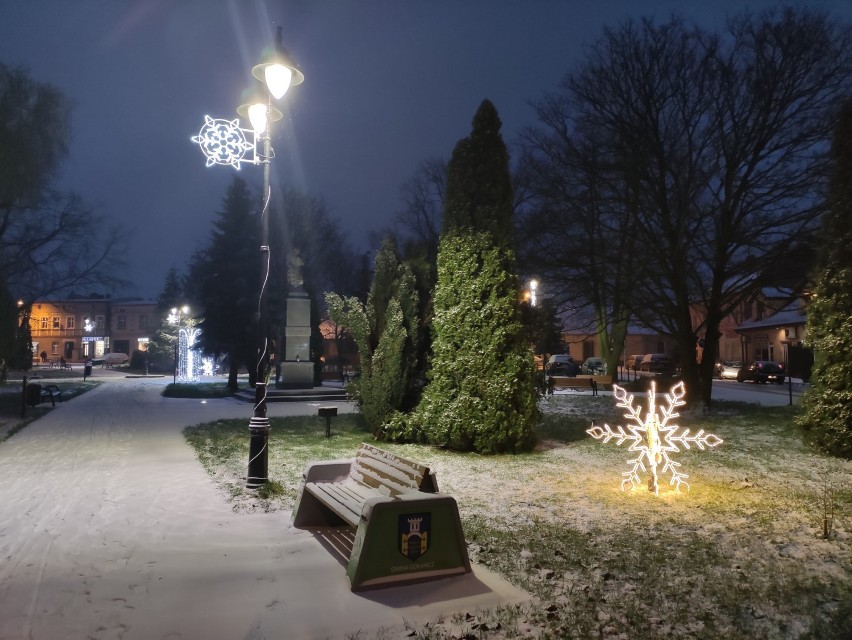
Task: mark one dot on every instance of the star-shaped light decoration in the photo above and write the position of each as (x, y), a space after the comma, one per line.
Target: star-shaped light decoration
(223, 142)
(653, 438)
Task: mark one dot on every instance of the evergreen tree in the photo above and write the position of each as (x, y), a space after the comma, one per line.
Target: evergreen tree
(386, 331)
(224, 281)
(479, 185)
(173, 293)
(16, 342)
(481, 394)
(828, 403)
(161, 348)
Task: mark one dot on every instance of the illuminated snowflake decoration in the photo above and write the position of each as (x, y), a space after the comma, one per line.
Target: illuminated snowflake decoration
(223, 142)
(653, 438)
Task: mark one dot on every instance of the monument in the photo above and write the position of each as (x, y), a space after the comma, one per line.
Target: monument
(297, 370)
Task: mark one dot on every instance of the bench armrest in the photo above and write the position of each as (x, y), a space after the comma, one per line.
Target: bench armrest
(327, 471)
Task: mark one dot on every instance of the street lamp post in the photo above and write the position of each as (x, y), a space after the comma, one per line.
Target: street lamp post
(224, 142)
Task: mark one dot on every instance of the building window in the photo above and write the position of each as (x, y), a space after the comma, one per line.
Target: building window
(99, 323)
(56, 323)
(143, 321)
(122, 321)
(69, 322)
(45, 322)
(54, 348)
(588, 349)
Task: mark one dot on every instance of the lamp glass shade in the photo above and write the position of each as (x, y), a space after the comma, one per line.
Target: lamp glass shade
(277, 78)
(257, 117)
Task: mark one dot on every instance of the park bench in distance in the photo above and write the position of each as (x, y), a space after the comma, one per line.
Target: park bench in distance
(580, 384)
(405, 530)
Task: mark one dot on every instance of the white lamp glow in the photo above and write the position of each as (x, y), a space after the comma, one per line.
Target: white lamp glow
(257, 117)
(277, 78)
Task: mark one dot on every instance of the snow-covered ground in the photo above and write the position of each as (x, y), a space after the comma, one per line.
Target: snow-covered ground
(110, 528)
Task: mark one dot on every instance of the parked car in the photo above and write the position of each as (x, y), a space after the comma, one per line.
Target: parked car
(559, 358)
(727, 369)
(563, 368)
(657, 363)
(112, 358)
(632, 363)
(594, 366)
(762, 371)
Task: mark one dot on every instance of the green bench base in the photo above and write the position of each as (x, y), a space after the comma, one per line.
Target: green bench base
(409, 537)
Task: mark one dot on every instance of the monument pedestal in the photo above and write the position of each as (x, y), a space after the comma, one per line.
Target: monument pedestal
(297, 370)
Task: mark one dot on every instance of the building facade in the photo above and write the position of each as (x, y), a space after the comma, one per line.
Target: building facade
(80, 328)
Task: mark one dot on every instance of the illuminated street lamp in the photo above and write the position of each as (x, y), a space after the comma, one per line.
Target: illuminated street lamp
(225, 142)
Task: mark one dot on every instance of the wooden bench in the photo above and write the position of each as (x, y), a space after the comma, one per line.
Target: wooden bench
(405, 530)
(578, 384)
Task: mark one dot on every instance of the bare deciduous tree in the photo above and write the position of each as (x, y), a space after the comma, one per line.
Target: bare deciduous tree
(50, 242)
(708, 153)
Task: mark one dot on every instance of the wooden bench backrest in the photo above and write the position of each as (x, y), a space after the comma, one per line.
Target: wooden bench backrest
(390, 474)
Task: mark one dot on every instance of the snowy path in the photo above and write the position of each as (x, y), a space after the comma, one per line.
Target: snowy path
(109, 528)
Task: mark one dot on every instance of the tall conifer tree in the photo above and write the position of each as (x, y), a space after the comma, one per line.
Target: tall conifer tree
(828, 403)
(481, 395)
(223, 281)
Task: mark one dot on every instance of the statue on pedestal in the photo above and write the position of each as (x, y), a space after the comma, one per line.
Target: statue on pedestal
(294, 270)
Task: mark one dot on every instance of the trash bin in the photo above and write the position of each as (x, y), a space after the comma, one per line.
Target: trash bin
(87, 370)
(33, 394)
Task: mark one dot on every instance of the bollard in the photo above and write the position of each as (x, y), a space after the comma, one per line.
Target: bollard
(24, 398)
(328, 413)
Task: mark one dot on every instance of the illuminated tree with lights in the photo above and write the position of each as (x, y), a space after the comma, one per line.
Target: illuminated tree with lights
(828, 403)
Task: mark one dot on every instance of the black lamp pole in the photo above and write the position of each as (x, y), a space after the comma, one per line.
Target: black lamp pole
(276, 59)
(258, 467)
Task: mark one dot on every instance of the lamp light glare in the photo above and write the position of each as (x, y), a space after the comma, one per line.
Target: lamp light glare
(277, 78)
(257, 117)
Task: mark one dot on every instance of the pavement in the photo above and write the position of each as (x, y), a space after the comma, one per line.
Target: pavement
(111, 528)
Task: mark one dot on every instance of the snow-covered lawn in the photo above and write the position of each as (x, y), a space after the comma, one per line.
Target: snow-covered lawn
(741, 555)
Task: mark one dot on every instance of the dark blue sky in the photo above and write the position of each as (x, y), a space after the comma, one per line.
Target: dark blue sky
(388, 83)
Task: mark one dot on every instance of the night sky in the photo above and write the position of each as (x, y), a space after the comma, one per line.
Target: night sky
(388, 83)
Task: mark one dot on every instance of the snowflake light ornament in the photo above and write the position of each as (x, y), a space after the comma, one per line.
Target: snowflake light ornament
(653, 438)
(224, 142)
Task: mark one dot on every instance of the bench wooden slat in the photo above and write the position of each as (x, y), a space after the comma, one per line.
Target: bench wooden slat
(340, 499)
(377, 468)
(375, 478)
(565, 382)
